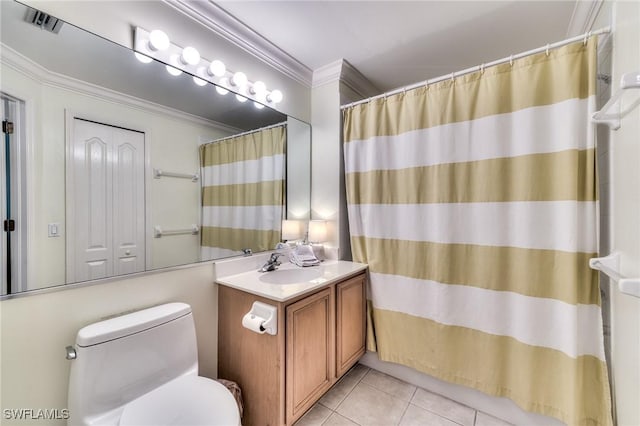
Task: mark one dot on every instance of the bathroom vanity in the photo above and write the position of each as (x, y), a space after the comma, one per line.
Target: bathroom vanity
(321, 330)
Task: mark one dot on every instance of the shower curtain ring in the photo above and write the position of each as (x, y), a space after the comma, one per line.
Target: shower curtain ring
(511, 60)
(547, 51)
(481, 68)
(453, 76)
(586, 36)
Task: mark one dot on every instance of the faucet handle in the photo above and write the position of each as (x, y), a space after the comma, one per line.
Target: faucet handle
(274, 258)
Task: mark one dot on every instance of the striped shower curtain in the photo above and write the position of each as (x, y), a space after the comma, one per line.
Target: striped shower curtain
(242, 192)
(474, 203)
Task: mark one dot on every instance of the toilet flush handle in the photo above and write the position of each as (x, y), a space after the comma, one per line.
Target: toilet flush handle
(71, 353)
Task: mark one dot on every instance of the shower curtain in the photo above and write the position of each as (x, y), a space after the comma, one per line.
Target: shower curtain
(242, 192)
(474, 202)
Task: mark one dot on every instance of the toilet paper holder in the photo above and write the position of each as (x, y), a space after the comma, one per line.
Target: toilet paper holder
(262, 318)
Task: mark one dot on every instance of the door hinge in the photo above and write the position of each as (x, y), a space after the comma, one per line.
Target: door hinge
(9, 225)
(7, 127)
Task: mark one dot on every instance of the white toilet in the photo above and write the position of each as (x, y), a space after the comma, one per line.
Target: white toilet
(142, 369)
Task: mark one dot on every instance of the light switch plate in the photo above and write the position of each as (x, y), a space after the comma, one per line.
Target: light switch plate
(54, 230)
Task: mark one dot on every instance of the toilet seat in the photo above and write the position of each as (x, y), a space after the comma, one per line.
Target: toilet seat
(187, 400)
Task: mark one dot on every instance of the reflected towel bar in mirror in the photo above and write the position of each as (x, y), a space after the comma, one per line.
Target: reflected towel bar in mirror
(158, 173)
(158, 232)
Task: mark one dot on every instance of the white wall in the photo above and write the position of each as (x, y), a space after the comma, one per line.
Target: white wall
(325, 154)
(36, 329)
(625, 193)
(328, 194)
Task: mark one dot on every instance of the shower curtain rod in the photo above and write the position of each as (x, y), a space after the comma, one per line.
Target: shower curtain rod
(248, 132)
(453, 75)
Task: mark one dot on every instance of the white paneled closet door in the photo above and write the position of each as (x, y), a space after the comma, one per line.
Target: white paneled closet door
(106, 214)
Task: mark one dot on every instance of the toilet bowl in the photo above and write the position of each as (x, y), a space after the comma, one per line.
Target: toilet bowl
(142, 369)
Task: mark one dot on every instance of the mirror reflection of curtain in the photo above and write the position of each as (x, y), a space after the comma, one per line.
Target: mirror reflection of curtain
(243, 187)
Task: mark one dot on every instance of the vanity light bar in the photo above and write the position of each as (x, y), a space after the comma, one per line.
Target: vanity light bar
(156, 45)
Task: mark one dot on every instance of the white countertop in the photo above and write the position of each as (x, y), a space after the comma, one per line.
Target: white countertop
(315, 278)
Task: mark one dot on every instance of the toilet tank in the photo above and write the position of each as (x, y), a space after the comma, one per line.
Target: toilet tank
(122, 358)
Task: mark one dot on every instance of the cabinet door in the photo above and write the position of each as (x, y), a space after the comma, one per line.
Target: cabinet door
(350, 322)
(310, 353)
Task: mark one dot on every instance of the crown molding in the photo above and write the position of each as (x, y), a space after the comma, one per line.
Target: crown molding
(327, 73)
(357, 82)
(584, 15)
(37, 72)
(341, 70)
(235, 31)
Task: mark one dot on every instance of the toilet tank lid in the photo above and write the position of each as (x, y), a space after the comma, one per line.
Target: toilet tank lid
(128, 324)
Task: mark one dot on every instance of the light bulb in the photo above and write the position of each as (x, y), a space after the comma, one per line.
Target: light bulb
(239, 79)
(258, 105)
(259, 89)
(275, 96)
(241, 98)
(221, 90)
(217, 68)
(190, 56)
(199, 81)
(171, 69)
(158, 40)
(142, 58)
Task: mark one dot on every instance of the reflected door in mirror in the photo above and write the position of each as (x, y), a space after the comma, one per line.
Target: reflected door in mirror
(106, 201)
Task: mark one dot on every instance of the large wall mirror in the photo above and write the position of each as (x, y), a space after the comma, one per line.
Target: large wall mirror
(110, 166)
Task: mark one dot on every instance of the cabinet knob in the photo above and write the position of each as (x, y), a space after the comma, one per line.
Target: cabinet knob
(128, 252)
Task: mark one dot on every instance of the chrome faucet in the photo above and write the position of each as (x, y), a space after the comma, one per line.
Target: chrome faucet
(272, 264)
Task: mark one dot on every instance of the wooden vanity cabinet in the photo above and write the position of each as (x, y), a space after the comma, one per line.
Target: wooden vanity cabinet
(320, 336)
(351, 324)
(310, 353)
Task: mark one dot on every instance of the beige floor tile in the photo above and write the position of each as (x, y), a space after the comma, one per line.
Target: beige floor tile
(337, 420)
(444, 407)
(416, 416)
(391, 385)
(358, 371)
(315, 416)
(369, 406)
(339, 391)
(483, 419)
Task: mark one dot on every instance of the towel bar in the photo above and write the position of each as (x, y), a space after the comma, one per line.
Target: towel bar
(610, 265)
(612, 116)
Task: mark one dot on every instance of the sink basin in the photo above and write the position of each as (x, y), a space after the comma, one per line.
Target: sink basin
(290, 276)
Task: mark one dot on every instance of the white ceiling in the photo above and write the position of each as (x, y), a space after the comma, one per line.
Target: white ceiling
(395, 43)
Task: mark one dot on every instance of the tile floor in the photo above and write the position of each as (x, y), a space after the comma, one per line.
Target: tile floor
(367, 397)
